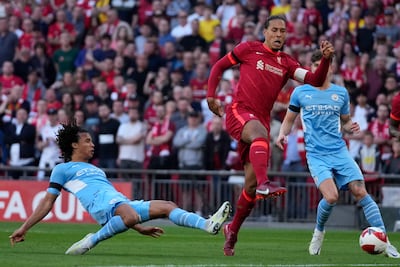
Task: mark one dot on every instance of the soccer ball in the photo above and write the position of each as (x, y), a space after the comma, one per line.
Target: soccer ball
(373, 240)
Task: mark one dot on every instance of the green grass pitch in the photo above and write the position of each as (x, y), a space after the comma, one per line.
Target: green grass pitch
(46, 243)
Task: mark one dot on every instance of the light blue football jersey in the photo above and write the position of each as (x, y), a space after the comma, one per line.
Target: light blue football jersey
(88, 183)
(320, 112)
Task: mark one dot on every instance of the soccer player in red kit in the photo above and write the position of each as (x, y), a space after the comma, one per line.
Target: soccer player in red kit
(264, 70)
(394, 126)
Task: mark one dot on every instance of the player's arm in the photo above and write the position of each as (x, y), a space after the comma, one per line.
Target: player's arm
(287, 125)
(44, 207)
(217, 70)
(348, 125)
(318, 77)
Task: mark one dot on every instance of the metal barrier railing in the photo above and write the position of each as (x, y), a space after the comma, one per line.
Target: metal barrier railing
(203, 191)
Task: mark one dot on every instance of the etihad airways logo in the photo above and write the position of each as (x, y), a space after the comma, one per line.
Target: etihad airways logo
(263, 66)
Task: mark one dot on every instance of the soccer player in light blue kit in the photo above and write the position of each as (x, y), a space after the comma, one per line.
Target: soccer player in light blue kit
(324, 113)
(114, 211)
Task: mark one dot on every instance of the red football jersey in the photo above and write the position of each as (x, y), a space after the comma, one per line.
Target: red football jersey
(395, 113)
(263, 73)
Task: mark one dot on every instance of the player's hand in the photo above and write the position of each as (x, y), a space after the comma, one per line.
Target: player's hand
(151, 231)
(215, 106)
(355, 128)
(17, 236)
(327, 49)
(280, 141)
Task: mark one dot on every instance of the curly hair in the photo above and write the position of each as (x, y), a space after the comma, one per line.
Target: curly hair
(67, 135)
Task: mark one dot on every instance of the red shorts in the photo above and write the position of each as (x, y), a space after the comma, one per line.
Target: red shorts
(236, 118)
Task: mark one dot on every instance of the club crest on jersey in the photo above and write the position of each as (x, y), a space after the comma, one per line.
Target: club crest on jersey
(279, 60)
(335, 97)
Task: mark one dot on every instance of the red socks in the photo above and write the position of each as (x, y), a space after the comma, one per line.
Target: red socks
(244, 206)
(259, 156)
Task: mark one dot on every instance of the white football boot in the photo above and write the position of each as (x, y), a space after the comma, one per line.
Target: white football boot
(82, 246)
(391, 251)
(316, 242)
(215, 222)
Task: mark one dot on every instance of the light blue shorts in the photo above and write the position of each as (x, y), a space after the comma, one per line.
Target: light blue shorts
(105, 203)
(339, 165)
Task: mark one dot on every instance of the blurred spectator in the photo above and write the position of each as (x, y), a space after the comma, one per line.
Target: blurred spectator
(312, 16)
(355, 19)
(375, 74)
(197, 12)
(379, 127)
(226, 11)
(34, 89)
(150, 115)
(130, 138)
(77, 19)
(79, 117)
(44, 65)
(194, 40)
(382, 50)
(39, 118)
(207, 24)
(159, 140)
(300, 41)
(189, 141)
(276, 156)
(392, 165)
(183, 27)
(179, 117)
(365, 36)
(68, 104)
(47, 145)
(23, 64)
(52, 101)
(164, 35)
(151, 51)
(235, 30)
(358, 113)
(369, 156)
(389, 30)
(170, 56)
(112, 25)
(58, 28)
(118, 111)
(85, 56)
(65, 56)
(262, 17)
(8, 79)
(27, 37)
(139, 75)
(217, 47)
(173, 10)
(20, 139)
(107, 138)
(353, 75)
(188, 66)
(217, 146)
(146, 33)
(13, 102)
(8, 41)
(198, 82)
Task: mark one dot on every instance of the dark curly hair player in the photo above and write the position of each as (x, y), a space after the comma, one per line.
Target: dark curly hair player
(112, 210)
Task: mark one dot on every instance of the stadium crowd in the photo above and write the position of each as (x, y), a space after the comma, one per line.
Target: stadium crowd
(135, 73)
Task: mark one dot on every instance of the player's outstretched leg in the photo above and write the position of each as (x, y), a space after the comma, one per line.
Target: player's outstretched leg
(215, 222)
(114, 226)
(316, 242)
